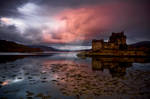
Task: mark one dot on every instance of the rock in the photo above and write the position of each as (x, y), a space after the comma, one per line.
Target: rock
(26, 73)
(29, 98)
(29, 77)
(19, 77)
(39, 95)
(29, 93)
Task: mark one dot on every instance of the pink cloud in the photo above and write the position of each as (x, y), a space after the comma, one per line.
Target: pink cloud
(86, 22)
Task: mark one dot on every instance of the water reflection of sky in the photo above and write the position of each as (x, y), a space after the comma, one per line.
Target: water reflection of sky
(66, 76)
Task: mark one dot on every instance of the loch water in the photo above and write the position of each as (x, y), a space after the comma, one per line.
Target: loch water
(66, 76)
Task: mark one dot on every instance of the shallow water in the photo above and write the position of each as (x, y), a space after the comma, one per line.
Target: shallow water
(66, 76)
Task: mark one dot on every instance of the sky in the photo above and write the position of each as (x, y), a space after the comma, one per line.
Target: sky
(73, 22)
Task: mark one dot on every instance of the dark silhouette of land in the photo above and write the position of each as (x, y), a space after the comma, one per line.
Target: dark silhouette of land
(8, 46)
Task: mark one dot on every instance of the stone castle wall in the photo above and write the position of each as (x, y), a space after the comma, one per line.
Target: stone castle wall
(115, 40)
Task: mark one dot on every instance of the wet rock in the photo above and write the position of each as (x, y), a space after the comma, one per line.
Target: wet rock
(29, 98)
(29, 77)
(3, 98)
(29, 93)
(19, 77)
(46, 97)
(39, 95)
(44, 78)
(6, 92)
(27, 73)
(42, 96)
(11, 91)
(43, 72)
(3, 77)
(13, 66)
(43, 81)
(54, 80)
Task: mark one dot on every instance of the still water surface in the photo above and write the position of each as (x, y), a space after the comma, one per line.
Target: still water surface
(66, 76)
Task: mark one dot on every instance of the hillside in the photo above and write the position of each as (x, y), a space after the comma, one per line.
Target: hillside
(43, 48)
(8, 46)
(145, 44)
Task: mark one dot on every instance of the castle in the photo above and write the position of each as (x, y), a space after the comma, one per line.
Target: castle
(116, 41)
(116, 46)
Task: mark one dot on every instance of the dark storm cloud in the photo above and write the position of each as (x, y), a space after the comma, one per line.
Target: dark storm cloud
(132, 16)
(33, 35)
(77, 3)
(9, 7)
(11, 33)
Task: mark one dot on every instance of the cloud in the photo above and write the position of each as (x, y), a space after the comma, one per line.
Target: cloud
(16, 30)
(73, 21)
(10, 33)
(9, 7)
(16, 22)
(88, 22)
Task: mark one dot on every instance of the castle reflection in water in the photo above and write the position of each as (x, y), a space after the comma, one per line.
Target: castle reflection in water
(116, 65)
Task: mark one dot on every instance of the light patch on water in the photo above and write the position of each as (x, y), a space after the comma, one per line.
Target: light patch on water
(10, 81)
(72, 47)
(5, 82)
(67, 55)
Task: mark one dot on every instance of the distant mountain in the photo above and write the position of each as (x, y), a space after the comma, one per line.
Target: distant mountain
(9, 46)
(141, 44)
(44, 48)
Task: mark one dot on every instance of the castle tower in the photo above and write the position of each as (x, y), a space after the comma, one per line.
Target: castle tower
(97, 44)
(119, 39)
